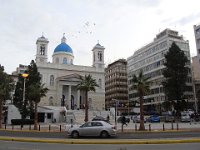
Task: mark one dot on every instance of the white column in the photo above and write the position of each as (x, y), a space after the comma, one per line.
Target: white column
(69, 97)
(78, 99)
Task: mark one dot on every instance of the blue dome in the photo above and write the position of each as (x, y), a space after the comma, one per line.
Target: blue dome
(63, 47)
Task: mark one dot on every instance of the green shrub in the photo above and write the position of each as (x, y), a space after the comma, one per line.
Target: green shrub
(22, 121)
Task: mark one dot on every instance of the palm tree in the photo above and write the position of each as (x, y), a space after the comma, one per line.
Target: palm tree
(87, 84)
(37, 92)
(141, 84)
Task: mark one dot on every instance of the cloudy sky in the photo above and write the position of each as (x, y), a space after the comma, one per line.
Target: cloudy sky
(121, 26)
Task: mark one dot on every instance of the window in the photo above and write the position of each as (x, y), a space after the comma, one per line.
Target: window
(65, 60)
(51, 101)
(100, 83)
(48, 115)
(99, 56)
(42, 50)
(51, 80)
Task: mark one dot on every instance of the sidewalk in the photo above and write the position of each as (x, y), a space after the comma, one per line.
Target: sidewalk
(132, 127)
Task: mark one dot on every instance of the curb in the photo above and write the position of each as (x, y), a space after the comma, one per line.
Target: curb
(103, 141)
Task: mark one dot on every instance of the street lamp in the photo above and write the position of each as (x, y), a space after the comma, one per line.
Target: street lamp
(24, 75)
(116, 102)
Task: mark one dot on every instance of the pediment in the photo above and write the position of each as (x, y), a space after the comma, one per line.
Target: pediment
(71, 77)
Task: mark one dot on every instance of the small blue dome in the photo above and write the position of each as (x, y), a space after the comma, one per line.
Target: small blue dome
(63, 47)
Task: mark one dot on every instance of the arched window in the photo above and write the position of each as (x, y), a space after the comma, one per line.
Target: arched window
(51, 80)
(65, 60)
(100, 83)
(57, 60)
(99, 56)
(51, 101)
(42, 50)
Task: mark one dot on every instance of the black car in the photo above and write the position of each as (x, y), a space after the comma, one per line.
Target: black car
(127, 120)
(99, 118)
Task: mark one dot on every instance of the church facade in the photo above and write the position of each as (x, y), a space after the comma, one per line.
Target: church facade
(61, 76)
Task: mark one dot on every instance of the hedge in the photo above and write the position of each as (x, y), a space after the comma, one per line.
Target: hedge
(22, 121)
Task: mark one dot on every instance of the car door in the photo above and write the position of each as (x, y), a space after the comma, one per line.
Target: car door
(85, 129)
(97, 128)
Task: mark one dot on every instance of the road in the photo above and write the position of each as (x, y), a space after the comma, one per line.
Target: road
(5, 145)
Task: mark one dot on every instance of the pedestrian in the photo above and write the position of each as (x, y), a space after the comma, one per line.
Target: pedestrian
(192, 118)
(108, 118)
(124, 120)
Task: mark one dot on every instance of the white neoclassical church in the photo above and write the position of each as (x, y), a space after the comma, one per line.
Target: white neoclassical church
(61, 76)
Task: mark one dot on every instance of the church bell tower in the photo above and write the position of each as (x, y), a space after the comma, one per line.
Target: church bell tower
(98, 56)
(42, 46)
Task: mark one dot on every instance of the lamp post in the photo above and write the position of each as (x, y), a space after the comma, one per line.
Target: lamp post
(116, 102)
(24, 75)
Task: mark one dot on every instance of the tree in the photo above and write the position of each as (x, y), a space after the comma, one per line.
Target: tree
(23, 106)
(141, 85)
(175, 75)
(87, 84)
(6, 86)
(35, 90)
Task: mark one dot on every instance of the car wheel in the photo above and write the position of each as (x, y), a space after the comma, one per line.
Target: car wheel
(75, 134)
(104, 134)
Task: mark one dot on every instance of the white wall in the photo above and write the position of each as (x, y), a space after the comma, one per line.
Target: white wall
(13, 113)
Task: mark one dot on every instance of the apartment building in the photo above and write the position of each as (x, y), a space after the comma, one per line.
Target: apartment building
(116, 87)
(196, 63)
(197, 41)
(150, 59)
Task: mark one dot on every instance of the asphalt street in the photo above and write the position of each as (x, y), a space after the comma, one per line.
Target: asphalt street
(10, 145)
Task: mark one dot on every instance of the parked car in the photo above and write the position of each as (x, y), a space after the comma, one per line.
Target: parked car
(190, 111)
(136, 119)
(99, 118)
(154, 118)
(169, 118)
(93, 128)
(185, 117)
(127, 120)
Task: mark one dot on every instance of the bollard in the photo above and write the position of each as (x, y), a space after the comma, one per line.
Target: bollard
(29, 127)
(177, 127)
(60, 128)
(149, 127)
(135, 127)
(39, 127)
(49, 128)
(163, 127)
(5, 125)
(172, 126)
(12, 127)
(21, 126)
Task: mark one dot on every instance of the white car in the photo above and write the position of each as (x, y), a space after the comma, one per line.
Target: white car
(93, 128)
(185, 117)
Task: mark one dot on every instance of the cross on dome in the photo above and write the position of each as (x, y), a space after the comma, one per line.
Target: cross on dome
(63, 40)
